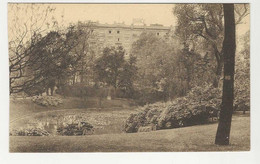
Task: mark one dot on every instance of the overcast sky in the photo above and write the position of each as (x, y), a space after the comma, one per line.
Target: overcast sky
(110, 13)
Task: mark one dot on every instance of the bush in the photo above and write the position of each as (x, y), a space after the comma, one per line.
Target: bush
(74, 125)
(200, 104)
(47, 100)
(29, 132)
(81, 128)
(242, 103)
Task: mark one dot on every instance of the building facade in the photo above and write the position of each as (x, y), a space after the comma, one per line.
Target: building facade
(119, 34)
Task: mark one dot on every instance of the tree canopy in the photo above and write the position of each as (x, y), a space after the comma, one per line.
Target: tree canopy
(201, 26)
(113, 69)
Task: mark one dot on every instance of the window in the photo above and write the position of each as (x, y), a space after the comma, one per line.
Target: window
(117, 39)
(158, 33)
(118, 32)
(109, 31)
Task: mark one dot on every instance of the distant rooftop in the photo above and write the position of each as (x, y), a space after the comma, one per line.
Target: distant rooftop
(132, 26)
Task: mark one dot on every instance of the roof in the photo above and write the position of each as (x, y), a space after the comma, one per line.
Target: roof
(122, 25)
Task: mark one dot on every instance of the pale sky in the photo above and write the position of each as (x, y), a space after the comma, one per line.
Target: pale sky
(110, 13)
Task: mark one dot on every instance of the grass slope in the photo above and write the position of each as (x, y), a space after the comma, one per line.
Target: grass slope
(25, 107)
(195, 138)
(107, 119)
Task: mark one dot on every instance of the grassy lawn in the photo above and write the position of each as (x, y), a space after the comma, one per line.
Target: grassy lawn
(195, 138)
(25, 107)
(107, 119)
(108, 122)
(104, 121)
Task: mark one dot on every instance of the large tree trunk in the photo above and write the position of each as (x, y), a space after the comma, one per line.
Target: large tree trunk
(229, 48)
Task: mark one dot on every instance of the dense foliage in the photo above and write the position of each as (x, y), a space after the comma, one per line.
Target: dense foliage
(114, 70)
(81, 128)
(167, 69)
(200, 104)
(29, 132)
(242, 75)
(201, 27)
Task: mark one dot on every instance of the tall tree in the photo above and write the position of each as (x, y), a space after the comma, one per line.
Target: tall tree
(229, 49)
(201, 26)
(52, 58)
(83, 50)
(155, 61)
(26, 24)
(164, 67)
(111, 68)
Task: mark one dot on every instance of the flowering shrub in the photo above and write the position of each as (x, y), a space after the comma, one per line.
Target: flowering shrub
(200, 104)
(74, 125)
(29, 132)
(81, 128)
(47, 100)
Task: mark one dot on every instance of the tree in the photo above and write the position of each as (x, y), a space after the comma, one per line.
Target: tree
(128, 76)
(41, 68)
(51, 59)
(112, 68)
(26, 24)
(166, 67)
(155, 60)
(229, 49)
(83, 32)
(201, 26)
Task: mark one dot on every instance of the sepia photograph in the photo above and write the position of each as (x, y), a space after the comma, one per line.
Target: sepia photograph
(147, 77)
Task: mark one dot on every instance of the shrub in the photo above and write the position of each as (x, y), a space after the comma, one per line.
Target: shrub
(47, 100)
(74, 125)
(29, 132)
(81, 128)
(200, 104)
